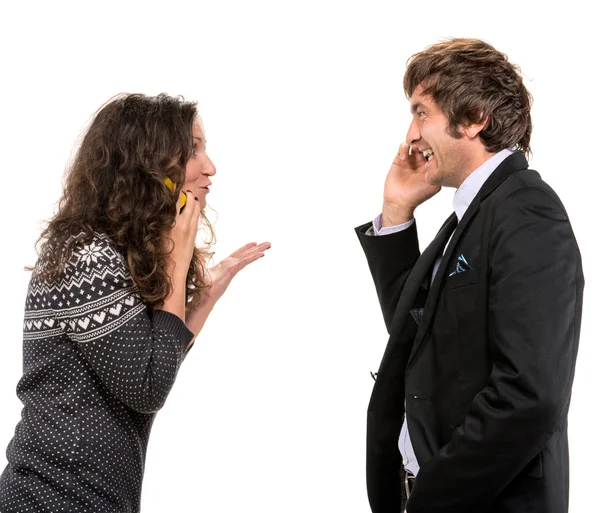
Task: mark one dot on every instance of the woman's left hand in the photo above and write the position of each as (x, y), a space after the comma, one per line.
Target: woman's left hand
(220, 276)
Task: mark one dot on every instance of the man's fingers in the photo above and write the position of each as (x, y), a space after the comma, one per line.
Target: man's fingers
(404, 151)
(409, 152)
(418, 156)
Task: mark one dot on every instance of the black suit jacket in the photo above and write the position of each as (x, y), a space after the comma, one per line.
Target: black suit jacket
(484, 358)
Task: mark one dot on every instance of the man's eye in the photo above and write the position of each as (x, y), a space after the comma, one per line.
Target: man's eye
(420, 113)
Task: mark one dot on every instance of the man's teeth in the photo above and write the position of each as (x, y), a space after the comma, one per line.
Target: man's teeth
(428, 153)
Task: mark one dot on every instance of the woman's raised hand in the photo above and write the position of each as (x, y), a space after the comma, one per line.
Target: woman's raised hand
(220, 276)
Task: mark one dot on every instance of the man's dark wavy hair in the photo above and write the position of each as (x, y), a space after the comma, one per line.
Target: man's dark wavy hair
(469, 80)
(115, 185)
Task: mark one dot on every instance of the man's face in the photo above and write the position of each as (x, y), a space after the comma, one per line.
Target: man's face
(448, 164)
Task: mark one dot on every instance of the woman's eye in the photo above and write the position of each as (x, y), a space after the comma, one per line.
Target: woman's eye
(198, 147)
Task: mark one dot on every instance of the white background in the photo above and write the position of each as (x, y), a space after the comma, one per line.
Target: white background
(304, 109)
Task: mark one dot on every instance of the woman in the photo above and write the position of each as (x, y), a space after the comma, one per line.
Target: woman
(115, 301)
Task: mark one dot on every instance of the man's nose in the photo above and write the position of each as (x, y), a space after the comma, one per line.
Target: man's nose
(414, 134)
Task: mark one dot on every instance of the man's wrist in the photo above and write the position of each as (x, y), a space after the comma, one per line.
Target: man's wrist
(393, 215)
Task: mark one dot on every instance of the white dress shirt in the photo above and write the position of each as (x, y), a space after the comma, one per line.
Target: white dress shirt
(462, 199)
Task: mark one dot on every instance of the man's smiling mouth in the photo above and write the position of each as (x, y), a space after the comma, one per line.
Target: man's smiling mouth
(427, 154)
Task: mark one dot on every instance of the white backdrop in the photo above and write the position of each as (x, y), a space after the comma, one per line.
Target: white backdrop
(303, 108)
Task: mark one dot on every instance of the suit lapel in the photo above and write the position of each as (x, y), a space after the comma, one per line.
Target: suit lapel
(421, 274)
(505, 169)
(424, 265)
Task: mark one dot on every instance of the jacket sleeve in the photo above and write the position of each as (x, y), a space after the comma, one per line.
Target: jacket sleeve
(390, 258)
(135, 351)
(535, 299)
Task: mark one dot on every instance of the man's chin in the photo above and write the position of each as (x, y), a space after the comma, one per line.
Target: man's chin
(437, 179)
(433, 179)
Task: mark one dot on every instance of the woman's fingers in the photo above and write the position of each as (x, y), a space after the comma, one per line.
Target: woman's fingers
(183, 233)
(183, 200)
(250, 258)
(191, 213)
(247, 254)
(196, 213)
(241, 257)
(250, 248)
(242, 250)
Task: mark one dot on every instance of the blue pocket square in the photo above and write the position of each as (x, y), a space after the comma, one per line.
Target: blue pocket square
(461, 266)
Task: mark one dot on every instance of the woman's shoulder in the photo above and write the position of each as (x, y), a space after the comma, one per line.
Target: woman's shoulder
(98, 255)
(99, 249)
(90, 258)
(95, 278)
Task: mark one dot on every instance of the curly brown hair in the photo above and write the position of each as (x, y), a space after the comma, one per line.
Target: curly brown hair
(469, 80)
(115, 185)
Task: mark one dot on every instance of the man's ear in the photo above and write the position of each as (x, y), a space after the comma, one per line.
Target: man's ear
(473, 130)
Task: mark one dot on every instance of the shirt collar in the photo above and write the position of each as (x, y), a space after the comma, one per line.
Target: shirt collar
(470, 187)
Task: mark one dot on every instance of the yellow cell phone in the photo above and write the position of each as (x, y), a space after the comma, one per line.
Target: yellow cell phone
(169, 183)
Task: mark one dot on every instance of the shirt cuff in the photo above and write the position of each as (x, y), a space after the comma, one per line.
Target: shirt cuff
(387, 230)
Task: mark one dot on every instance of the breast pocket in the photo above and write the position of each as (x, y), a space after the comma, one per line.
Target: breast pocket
(462, 279)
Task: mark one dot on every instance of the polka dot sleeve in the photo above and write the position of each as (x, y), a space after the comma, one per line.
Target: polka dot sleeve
(135, 351)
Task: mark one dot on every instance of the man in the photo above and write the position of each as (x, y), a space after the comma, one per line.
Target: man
(484, 324)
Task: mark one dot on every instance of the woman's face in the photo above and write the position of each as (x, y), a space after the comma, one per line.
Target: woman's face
(199, 168)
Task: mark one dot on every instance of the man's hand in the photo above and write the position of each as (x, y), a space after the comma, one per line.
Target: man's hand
(405, 187)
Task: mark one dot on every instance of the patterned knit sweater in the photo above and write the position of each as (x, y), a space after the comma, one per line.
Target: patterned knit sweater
(97, 364)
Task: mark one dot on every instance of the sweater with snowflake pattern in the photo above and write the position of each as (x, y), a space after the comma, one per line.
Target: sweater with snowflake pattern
(97, 364)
